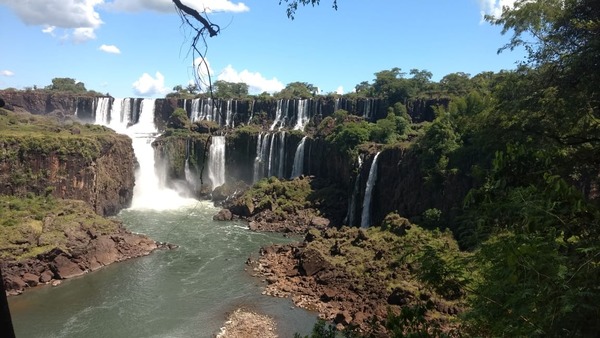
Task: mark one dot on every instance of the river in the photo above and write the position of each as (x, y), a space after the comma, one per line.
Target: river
(186, 292)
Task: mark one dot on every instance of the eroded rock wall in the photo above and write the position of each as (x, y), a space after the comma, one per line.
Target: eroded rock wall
(101, 173)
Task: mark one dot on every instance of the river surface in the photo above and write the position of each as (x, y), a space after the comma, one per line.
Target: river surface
(186, 292)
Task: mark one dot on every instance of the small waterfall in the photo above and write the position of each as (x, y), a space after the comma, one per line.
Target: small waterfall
(251, 112)
(271, 156)
(281, 154)
(366, 211)
(102, 113)
(216, 161)
(302, 117)
(355, 191)
(231, 112)
(278, 114)
(298, 167)
(256, 174)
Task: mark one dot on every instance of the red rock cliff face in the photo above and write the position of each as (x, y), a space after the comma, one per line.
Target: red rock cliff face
(43, 103)
(103, 178)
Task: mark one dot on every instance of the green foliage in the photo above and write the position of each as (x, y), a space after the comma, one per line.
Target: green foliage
(230, 90)
(179, 119)
(297, 90)
(348, 136)
(37, 224)
(64, 84)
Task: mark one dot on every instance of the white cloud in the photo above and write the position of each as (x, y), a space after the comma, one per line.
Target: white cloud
(112, 49)
(255, 81)
(79, 15)
(6, 72)
(340, 90)
(167, 6)
(494, 7)
(49, 30)
(83, 34)
(146, 85)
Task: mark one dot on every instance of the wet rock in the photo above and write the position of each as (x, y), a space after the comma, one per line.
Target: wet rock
(313, 261)
(46, 276)
(223, 215)
(30, 279)
(65, 268)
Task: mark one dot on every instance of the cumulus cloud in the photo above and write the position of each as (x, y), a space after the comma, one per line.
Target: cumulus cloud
(340, 90)
(147, 85)
(112, 49)
(255, 81)
(6, 72)
(166, 6)
(494, 7)
(77, 15)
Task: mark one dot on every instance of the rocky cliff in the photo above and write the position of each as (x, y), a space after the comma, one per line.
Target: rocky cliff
(84, 162)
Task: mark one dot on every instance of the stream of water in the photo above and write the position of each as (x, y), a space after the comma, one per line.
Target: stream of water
(186, 292)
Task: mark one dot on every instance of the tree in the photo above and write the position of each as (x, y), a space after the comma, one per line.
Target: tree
(456, 83)
(65, 84)
(230, 90)
(292, 5)
(302, 90)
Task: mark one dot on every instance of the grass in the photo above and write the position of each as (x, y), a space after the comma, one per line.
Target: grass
(35, 224)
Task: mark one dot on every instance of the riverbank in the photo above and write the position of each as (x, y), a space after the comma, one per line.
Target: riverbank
(355, 277)
(46, 240)
(243, 323)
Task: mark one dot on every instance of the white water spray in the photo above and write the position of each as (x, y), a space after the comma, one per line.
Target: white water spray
(298, 167)
(216, 161)
(366, 211)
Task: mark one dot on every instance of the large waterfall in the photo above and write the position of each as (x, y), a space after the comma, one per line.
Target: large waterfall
(149, 192)
(366, 211)
(216, 161)
(298, 167)
(270, 155)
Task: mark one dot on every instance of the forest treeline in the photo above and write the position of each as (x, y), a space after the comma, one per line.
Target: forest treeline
(529, 140)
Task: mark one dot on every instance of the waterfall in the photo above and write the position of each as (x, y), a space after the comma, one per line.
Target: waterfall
(281, 154)
(216, 161)
(352, 204)
(102, 111)
(271, 156)
(298, 168)
(302, 117)
(258, 160)
(229, 122)
(366, 211)
(120, 115)
(148, 192)
(278, 114)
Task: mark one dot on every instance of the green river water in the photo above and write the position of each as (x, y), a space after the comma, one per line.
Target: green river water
(186, 292)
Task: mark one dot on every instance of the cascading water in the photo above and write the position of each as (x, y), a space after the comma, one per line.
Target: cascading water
(278, 114)
(148, 192)
(281, 154)
(352, 204)
(271, 156)
(102, 113)
(298, 167)
(256, 174)
(216, 161)
(302, 117)
(366, 211)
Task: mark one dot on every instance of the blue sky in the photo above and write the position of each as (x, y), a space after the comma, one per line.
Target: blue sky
(138, 48)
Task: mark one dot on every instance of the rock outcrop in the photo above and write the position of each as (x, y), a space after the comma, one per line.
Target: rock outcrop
(71, 161)
(353, 277)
